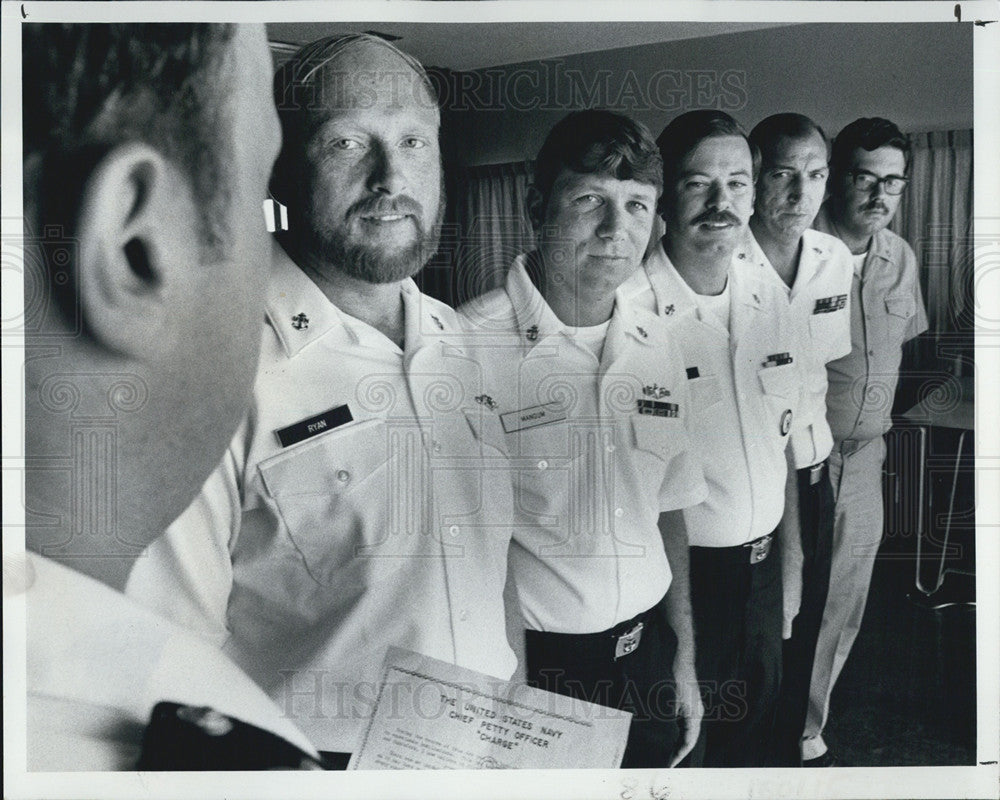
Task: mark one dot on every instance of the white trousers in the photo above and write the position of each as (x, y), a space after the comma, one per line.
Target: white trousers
(857, 532)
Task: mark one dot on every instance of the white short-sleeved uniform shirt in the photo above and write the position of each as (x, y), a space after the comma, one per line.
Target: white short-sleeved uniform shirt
(599, 442)
(745, 388)
(97, 665)
(819, 300)
(364, 502)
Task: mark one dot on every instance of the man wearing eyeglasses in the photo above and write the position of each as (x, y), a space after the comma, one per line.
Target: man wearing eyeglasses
(867, 177)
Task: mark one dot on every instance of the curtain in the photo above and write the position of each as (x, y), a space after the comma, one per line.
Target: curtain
(490, 221)
(935, 217)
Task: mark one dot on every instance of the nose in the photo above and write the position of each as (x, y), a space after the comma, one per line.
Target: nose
(612, 225)
(385, 175)
(719, 197)
(795, 188)
(878, 190)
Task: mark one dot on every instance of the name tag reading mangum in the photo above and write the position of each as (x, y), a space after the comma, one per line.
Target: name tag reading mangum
(531, 417)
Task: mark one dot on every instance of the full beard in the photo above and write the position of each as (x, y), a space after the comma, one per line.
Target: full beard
(369, 261)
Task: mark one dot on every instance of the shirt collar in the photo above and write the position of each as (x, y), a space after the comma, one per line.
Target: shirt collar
(301, 314)
(813, 252)
(536, 321)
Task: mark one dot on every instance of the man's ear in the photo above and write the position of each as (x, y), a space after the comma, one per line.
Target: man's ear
(137, 232)
(536, 207)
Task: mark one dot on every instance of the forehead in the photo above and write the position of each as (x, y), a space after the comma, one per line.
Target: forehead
(881, 161)
(370, 80)
(718, 153)
(568, 182)
(787, 149)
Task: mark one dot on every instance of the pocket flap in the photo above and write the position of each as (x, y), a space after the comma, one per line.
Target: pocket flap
(904, 307)
(782, 380)
(329, 463)
(662, 436)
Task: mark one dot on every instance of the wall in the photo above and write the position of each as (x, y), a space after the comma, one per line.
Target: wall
(918, 75)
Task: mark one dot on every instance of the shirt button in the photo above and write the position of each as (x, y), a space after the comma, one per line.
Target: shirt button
(437, 447)
(619, 512)
(543, 464)
(610, 448)
(871, 352)
(343, 476)
(454, 530)
(463, 616)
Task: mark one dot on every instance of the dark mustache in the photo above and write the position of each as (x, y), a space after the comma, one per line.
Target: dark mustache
(370, 206)
(877, 204)
(716, 216)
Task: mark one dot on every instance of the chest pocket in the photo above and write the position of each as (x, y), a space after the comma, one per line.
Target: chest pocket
(549, 465)
(899, 310)
(827, 330)
(664, 437)
(344, 507)
(705, 393)
(781, 390)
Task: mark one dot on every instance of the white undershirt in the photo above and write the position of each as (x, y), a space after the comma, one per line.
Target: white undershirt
(591, 337)
(859, 261)
(716, 305)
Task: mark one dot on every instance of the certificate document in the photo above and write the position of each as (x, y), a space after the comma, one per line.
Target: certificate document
(433, 715)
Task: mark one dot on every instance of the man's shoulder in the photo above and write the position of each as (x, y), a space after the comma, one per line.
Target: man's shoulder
(895, 247)
(491, 312)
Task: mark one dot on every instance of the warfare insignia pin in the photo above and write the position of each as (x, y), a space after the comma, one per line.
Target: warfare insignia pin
(486, 400)
(655, 391)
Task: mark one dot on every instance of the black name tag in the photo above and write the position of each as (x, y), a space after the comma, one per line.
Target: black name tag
(825, 305)
(321, 423)
(777, 360)
(659, 408)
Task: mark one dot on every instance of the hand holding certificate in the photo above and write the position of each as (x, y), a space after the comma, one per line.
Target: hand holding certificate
(434, 715)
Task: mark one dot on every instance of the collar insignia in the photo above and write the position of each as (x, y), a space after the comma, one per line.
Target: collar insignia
(300, 322)
(532, 333)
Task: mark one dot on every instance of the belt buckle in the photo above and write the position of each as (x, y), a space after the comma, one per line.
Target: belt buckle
(760, 549)
(628, 642)
(816, 473)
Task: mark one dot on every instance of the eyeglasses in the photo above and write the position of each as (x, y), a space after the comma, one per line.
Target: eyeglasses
(866, 181)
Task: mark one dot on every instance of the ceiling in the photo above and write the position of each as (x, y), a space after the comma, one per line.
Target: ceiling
(467, 46)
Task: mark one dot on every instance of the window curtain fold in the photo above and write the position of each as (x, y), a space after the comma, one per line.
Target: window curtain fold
(491, 223)
(935, 217)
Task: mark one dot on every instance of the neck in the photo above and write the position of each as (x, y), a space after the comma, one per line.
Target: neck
(377, 304)
(576, 306)
(783, 254)
(704, 272)
(856, 242)
(578, 310)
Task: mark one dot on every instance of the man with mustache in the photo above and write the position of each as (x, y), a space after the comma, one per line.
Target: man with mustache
(732, 324)
(814, 271)
(595, 406)
(867, 178)
(365, 501)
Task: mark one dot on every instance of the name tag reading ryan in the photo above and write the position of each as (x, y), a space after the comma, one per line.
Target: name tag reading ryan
(433, 715)
(531, 417)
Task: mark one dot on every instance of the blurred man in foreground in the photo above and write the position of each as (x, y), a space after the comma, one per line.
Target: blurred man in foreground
(147, 150)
